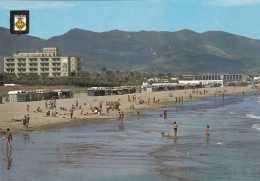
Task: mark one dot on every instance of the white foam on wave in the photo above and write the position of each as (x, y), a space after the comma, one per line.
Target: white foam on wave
(253, 116)
(220, 143)
(256, 126)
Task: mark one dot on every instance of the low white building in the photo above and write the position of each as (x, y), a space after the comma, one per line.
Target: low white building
(200, 82)
(257, 78)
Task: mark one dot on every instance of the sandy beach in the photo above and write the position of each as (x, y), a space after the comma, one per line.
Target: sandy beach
(12, 112)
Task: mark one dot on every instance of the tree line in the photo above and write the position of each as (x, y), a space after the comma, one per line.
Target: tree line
(104, 78)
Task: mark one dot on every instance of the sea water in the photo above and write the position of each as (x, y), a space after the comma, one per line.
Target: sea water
(106, 152)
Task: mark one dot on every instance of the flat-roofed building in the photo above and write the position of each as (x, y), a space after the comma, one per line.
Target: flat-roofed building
(233, 77)
(211, 77)
(50, 62)
(1, 79)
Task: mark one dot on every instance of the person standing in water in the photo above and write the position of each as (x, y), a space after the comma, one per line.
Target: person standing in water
(138, 114)
(175, 126)
(165, 112)
(207, 131)
(8, 139)
(119, 116)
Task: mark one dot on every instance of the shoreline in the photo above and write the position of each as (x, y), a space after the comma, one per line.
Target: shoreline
(16, 110)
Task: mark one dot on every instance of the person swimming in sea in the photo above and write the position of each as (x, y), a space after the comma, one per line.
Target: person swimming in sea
(165, 135)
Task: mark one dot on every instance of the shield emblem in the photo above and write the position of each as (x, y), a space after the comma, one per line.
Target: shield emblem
(19, 22)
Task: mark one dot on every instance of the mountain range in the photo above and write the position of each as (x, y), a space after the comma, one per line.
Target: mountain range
(183, 51)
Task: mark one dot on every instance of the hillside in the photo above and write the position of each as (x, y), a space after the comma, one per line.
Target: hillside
(184, 51)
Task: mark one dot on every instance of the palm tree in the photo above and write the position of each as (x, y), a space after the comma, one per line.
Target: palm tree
(103, 70)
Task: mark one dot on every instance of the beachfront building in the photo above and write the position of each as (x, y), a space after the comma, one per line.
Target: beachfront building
(1, 79)
(191, 77)
(50, 63)
(211, 77)
(233, 77)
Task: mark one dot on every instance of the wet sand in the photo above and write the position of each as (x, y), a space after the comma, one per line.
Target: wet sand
(12, 111)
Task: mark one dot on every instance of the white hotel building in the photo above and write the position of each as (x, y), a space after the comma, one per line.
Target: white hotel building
(50, 62)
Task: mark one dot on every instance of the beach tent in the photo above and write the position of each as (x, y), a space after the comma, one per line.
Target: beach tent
(90, 92)
(12, 96)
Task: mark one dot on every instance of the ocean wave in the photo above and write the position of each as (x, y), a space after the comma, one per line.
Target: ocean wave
(220, 143)
(253, 116)
(256, 126)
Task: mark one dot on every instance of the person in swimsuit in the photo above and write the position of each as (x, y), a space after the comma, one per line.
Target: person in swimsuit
(8, 139)
(138, 114)
(119, 116)
(175, 126)
(165, 135)
(165, 112)
(24, 121)
(207, 131)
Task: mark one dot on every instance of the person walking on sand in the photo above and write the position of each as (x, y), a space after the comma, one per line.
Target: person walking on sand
(175, 126)
(46, 104)
(27, 121)
(28, 108)
(77, 104)
(8, 139)
(71, 112)
(207, 131)
(24, 121)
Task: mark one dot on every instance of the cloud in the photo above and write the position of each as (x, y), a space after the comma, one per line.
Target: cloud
(18, 5)
(232, 2)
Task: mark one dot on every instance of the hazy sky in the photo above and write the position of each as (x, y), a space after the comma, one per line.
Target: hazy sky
(54, 18)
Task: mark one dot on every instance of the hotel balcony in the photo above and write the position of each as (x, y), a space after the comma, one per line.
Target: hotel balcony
(9, 69)
(22, 66)
(56, 65)
(44, 68)
(56, 71)
(33, 65)
(21, 61)
(32, 60)
(10, 66)
(44, 65)
(33, 72)
(44, 60)
(55, 60)
(9, 61)
(56, 74)
(47, 71)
